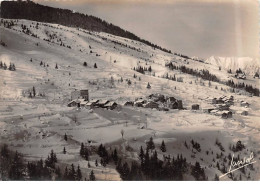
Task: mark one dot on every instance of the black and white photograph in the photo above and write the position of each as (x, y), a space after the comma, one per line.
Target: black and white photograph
(129, 90)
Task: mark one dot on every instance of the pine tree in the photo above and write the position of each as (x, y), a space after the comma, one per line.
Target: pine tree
(146, 161)
(82, 150)
(65, 137)
(115, 156)
(5, 67)
(16, 169)
(89, 165)
(41, 63)
(64, 150)
(148, 86)
(95, 65)
(125, 171)
(66, 174)
(1, 64)
(85, 64)
(34, 91)
(150, 144)
(56, 67)
(79, 175)
(216, 177)
(13, 67)
(96, 163)
(163, 147)
(72, 173)
(92, 176)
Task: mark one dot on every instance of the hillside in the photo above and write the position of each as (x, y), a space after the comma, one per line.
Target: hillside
(33, 11)
(49, 58)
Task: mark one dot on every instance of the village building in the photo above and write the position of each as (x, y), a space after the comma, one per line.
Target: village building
(157, 97)
(226, 114)
(91, 104)
(151, 104)
(129, 103)
(195, 107)
(140, 102)
(208, 108)
(244, 104)
(73, 103)
(77, 94)
(244, 113)
(102, 103)
(111, 105)
(223, 107)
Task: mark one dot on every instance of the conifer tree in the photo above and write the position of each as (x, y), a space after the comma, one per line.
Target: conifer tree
(148, 86)
(65, 137)
(72, 173)
(92, 176)
(64, 150)
(150, 144)
(16, 169)
(82, 150)
(163, 147)
(95, 65)
(34, 91)
(79, 175)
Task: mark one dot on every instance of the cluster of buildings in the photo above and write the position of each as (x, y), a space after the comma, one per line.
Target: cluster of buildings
(156, 101)
(80, 98)
(217, 106)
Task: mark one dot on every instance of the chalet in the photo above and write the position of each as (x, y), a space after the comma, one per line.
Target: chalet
(244, 104)
(223, 107)
(214, 101)
(215, 111)
(244, 113)
(240, 76)
(110, 105)
(180, 106)
(83, 103)
(226, 114)
(74, 103)
(157, 97)
(208, 108)
(91, 104)
(77, 94)
(151, 104)
(195, 107)
(102, 103)
(129, 103)
(140, 102)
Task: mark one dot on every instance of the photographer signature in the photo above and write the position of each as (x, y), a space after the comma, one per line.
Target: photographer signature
(239, 164)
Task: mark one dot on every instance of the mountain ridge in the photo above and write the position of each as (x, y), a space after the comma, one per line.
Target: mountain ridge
(37, 12)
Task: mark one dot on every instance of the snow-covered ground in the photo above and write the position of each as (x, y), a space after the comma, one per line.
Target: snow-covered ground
(34, 126)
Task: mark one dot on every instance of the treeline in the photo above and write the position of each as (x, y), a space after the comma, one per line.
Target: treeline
(187, 57)
(142, 70)
(36, 12)
(13, 167)
(204, 74)
(4, 66)
(248, 88)
(149, 167)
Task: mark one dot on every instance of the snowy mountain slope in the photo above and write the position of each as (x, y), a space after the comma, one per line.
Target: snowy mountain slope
(115, 58)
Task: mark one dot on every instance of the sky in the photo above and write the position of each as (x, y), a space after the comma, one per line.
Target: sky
(203, 28)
